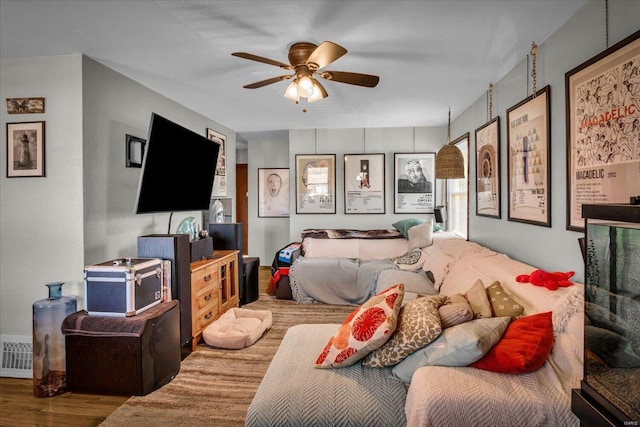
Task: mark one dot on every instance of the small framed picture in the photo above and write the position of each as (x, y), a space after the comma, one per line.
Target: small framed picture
(25, 105)
(414, 175)
(220, 179)
(488, 169)
(364, 184)
(134, 151)
(273, 193)
(25, 149)
(315, 183)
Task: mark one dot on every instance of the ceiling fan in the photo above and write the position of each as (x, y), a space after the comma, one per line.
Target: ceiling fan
(305, 60)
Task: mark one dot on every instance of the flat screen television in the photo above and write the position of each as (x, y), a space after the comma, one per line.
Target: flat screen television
(178, 169)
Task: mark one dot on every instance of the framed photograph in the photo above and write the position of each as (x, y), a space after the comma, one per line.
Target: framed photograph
(25, 149)
(273, 193)
(414, 189)
(364, 184)
(488, 169)
(220, 180)
(316, 183)
(25, 105)
(134, 151)
(603, 129)
(529, 163)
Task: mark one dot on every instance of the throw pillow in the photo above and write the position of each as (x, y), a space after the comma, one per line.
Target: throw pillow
(412, 260)
(503, 304)
(365, 329)
(413, 281)
(421, 236)
(437, 263)
(524, 347)
(456, 310)
(478, 300)
(459, 345)
(404, 225)
(418, 325)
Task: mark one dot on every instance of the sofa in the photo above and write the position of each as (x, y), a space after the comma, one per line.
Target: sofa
(492, 381)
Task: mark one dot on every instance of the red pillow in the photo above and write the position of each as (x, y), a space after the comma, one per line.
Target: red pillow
(523, 348)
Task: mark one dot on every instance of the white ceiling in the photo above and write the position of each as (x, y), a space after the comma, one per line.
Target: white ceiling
(430, 55)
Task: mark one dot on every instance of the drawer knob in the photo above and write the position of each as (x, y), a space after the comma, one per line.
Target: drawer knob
(208, 316)
(208, 297)
(207, 277)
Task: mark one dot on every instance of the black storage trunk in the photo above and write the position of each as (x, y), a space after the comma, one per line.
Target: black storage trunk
(123, 286)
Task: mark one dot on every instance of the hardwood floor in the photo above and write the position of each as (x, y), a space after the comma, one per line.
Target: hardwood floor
(18, 407)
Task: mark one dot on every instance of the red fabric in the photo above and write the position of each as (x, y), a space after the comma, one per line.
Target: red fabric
(550, 280)
(523, 348)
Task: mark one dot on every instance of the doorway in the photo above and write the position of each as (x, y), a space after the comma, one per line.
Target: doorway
(242, 202)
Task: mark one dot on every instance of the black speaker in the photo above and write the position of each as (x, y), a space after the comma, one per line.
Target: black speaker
(175, 248)
(228, 235)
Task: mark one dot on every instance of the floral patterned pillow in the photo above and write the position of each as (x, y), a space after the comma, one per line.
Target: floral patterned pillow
(365, 329)
(410, 261)
(418, 325)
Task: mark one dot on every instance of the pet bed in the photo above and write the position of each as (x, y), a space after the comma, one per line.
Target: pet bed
(237, 328)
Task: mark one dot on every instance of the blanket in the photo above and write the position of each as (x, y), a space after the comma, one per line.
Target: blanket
(325, 233)
(352, 396)
(338, 281)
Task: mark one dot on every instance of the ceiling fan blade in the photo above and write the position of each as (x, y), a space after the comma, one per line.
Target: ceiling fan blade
(253, 57)
(261, 83)
(358, 79)
(324, 55)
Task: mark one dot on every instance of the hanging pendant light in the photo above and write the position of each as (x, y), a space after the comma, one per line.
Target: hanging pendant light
(449, 160)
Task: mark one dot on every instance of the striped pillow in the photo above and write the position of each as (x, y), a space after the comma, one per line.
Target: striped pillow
(456, 310)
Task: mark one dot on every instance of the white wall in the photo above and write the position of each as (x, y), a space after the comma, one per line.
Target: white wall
(81, 213)
(41, 218)
(358, 141)
(582, 37)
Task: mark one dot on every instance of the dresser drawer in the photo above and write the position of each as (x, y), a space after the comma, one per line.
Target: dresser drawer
(205, 297)
(204, 277)
(203, 317)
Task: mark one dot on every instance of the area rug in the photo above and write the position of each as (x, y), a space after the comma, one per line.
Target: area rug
(215, 386)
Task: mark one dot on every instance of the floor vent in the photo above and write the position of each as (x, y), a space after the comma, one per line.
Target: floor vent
(17, 356)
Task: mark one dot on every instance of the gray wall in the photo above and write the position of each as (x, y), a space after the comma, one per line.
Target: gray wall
(41, 218)
(82, 212)
(582, 37)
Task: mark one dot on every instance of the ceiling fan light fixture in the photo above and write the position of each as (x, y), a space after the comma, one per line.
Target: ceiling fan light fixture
(292, 91)
(305, 87)
(318, 92)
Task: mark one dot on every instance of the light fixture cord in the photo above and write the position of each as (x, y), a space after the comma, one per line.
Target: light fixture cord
(534, 52)
(490, 101)
(606, 23)
(449, 128)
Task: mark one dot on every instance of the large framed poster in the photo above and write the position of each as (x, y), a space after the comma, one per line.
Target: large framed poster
(603, 129)
(413, 182)
(488, 169)
(220, 178)
(316, 183)
(273, 193)
(529, 165)
(364, 184)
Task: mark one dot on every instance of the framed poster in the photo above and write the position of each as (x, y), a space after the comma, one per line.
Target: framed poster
(364, 184)
(488, 169)
(529, 163)
(220, 179)
(25, 149)
(413, 175)
(316, 183)
(603, 129)
(273, 193)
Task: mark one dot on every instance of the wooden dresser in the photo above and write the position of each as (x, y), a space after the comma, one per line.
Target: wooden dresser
(214, 290)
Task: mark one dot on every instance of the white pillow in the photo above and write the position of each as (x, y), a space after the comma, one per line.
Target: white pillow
(438, 263)
(459, 345)
(414, 281)
(421, 236)
(412, 260)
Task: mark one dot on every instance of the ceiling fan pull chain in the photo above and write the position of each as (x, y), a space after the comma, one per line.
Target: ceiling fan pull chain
(534, 52)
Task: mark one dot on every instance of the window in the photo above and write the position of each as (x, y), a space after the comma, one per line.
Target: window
(457, 193)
